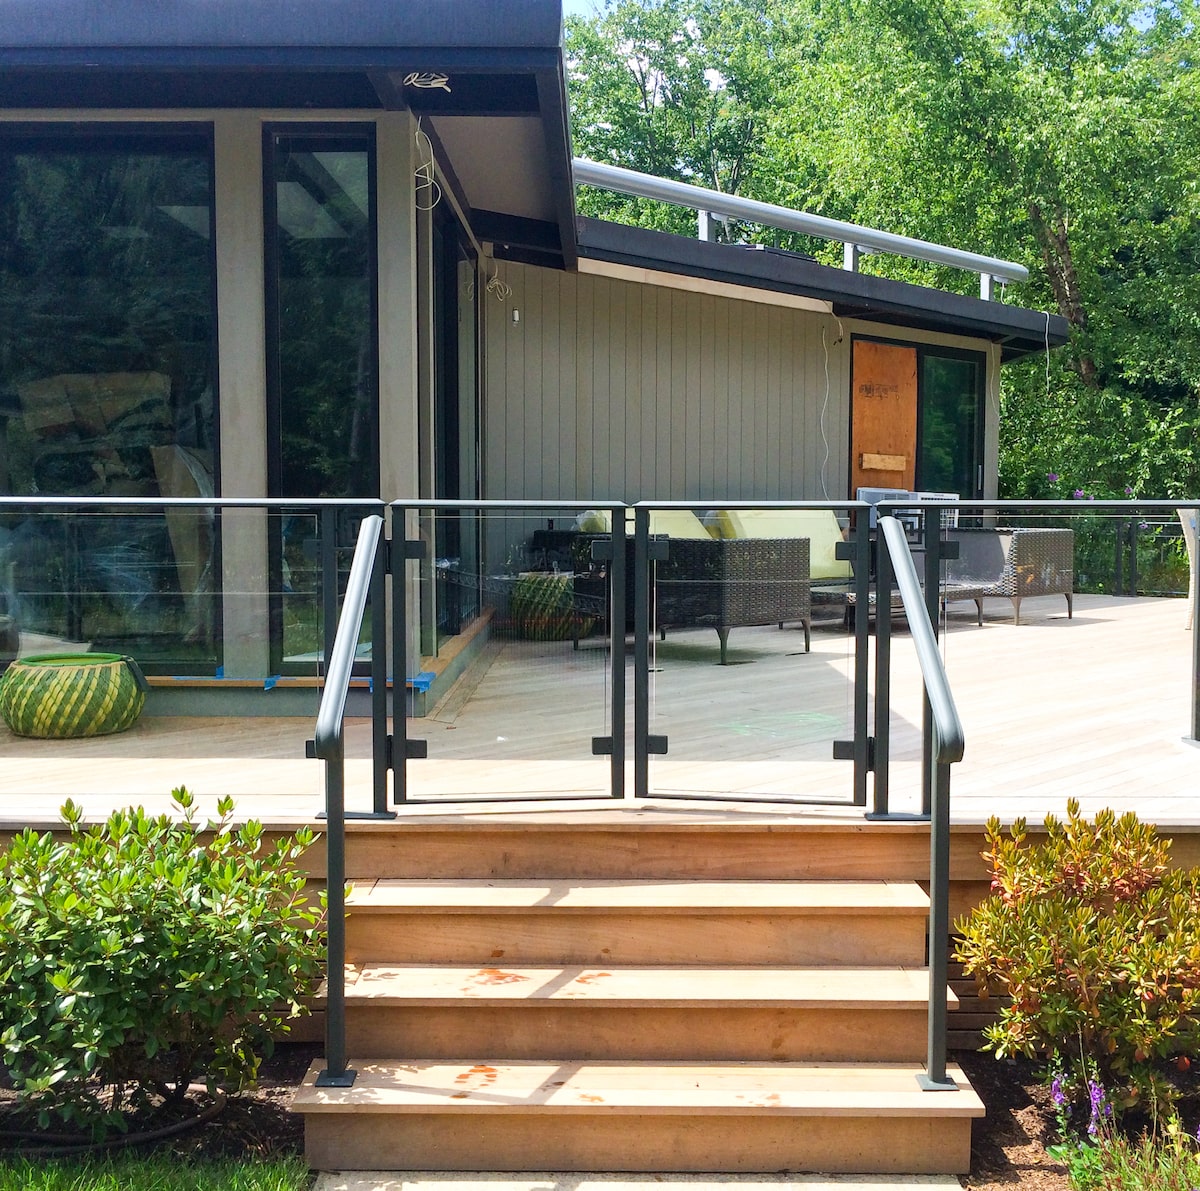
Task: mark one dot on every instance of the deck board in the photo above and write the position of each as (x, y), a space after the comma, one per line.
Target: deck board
(1095, 708)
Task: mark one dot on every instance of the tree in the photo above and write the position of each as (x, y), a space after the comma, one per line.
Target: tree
(1059, 133)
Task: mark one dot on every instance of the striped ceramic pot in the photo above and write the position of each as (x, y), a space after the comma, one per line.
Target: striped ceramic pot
(71, 694)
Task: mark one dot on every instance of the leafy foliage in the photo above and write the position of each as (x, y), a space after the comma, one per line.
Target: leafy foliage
(1060, 135)
(143, 954)
(1097, 941)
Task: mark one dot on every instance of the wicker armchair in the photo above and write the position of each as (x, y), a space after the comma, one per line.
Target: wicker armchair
(1033, 562)
(727, 583)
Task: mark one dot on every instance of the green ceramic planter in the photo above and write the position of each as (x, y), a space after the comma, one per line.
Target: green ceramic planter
(63, 695)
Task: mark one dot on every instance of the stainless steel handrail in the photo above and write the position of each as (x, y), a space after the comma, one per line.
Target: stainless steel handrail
(947, 726)
(947, 747)
(612, 177)
(329, 746)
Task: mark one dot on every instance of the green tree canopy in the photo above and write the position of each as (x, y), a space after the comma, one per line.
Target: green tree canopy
(1059, 133)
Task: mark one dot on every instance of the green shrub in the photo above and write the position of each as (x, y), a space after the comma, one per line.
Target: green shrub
(1097, 941)
(142, 955)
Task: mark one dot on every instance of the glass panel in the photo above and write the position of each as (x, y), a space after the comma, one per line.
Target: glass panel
(951, 395)
(99, 582)
(324, 331)
(523, 681)
(107, 385)
(755, 715)
(1088, 696)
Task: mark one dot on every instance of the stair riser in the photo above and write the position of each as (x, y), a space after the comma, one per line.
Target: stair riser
(592, 1033)
(854, 854)
(618, 938)
(583, 1141)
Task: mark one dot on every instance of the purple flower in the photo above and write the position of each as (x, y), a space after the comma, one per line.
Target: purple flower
(1128, 490)
(1056, 1092)
(1100, 1107)
(1079, 494)
(1052, 476)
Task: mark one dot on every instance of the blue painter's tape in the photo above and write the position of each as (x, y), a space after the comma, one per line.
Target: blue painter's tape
(269, 683)
(220, 671)
(423, 681)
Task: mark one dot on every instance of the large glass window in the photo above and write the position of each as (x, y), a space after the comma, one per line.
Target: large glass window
(108, 382)
(321, 311)
(949, 450)
(321, 357)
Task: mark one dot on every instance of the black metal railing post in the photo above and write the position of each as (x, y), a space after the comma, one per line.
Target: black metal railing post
(328, 744)
(616, 573)
(946, 728)
(883, 677)
(931, 531)
(641, 652)
(380, 760)
(865, 756)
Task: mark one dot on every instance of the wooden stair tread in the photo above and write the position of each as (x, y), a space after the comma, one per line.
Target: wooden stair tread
(498, 896)
(413, 985)
(656, 1089)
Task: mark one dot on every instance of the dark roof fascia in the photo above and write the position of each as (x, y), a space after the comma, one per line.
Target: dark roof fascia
(486, 25)
(552, 98)
(447, 60)
(852, 295)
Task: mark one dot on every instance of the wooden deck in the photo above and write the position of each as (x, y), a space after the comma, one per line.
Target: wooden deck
(1095, 708)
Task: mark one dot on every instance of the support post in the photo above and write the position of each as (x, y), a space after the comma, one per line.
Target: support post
(616, 575)
(935, 1078)
(641, 651)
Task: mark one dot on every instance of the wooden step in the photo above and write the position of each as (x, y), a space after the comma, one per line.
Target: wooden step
(668, 1013)
(637, 922)
(582, 1116)
(649, 842)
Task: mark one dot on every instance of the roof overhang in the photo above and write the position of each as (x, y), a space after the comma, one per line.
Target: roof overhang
(1016, 329)
(500, 119)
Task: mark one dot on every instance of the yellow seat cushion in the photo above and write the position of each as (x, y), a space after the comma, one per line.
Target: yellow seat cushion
(681, 524)
(820, 526)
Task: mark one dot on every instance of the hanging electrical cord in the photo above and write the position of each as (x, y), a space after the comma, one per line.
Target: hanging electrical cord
(497, 288)
(825, 405)
(428, 80)
(424, 174)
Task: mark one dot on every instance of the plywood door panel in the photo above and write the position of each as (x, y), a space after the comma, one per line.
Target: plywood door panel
(883, 435)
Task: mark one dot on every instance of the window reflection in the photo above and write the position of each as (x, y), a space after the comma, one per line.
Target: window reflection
(107, 384)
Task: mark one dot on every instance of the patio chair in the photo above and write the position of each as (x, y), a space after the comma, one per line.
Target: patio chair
(729, 583)
(1032, 562)
(1187, 518)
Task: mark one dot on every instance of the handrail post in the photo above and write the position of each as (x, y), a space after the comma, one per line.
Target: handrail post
(641, 652)
(398, 569)
(336, 1074)
(931, 532)
(329, 745)
(935, 1078)
(616, 574)
(883, 673)
(379, 685)
(946, 729)
(864, 762)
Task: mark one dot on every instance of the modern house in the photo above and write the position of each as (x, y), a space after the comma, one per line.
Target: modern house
(259, 257)
(256, 251)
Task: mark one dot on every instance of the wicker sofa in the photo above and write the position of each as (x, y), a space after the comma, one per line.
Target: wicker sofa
(710, 582)
(1011, 564)
(728, 583)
